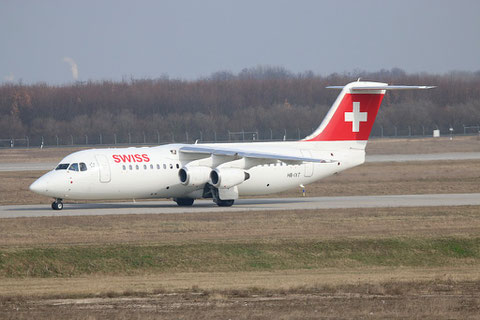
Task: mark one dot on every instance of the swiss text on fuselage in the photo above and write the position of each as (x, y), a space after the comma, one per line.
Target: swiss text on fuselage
(130, 158)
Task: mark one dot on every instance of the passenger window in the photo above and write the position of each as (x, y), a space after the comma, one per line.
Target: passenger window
(158, 166)
(62, 166)
(73, 167)
(144, 167)
(124, 168)
(130, 167)
(136, 167)
(83, 166)
(164, 166)
(171, 166)
(151, 166)
(178, 167)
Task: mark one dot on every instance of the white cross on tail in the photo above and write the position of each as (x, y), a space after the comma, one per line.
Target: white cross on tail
(356, 117)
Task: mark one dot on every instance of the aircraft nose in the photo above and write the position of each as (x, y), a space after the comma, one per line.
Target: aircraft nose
(39, 186)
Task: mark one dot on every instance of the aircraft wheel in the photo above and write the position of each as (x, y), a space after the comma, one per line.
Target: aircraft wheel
(57, 205)
(225, 203)
(184, 202)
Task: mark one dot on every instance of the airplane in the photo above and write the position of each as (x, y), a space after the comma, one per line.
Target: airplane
(223, 171)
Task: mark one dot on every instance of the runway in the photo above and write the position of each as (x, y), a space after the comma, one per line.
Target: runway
(45, 166)
(268, 204)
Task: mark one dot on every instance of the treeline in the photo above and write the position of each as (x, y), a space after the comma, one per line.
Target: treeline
(267, 99)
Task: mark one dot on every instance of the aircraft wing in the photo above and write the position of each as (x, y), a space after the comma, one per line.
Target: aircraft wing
(230, 154)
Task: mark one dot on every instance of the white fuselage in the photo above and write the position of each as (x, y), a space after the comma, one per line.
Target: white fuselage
(152, 172)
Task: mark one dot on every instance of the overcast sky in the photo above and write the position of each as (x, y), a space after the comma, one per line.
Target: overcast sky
(60, 41)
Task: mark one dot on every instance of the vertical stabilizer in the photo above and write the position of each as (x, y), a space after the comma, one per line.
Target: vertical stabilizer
(353, 113)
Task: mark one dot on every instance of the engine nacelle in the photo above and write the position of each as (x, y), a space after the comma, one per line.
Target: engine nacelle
(194, 176)
(228, 177)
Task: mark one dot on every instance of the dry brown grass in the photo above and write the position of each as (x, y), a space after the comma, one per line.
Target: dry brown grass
(14, 187)
(427, 299)
(373, 292)
(423, 145)
(368, 179)
(285, 280)
(242, 226)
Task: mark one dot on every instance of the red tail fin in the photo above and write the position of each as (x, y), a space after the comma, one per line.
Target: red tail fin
(353, 113)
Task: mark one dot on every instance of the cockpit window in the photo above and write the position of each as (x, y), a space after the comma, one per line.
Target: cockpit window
(73, 167)
(62, 166)
(83, 166)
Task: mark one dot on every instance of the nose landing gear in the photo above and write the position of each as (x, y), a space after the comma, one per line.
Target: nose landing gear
(57, 204)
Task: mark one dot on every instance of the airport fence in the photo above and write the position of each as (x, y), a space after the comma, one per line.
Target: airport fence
(157, 138)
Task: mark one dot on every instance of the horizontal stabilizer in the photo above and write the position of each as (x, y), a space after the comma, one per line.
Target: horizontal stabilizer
(386, 87)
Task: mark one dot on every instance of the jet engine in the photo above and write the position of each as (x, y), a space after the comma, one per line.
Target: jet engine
(225, 178)
(194, 176)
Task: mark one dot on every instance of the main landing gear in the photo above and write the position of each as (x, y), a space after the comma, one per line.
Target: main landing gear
(184, 202)
(224, 203)
(188, 202)
(57, 204)
(211, 192)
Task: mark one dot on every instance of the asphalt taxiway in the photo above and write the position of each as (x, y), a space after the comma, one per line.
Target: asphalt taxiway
(258, 204)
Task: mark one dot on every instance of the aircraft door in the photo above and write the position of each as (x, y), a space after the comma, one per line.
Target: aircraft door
(104, 168)
(308, 165)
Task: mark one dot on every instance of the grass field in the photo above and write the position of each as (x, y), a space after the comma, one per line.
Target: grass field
(243, 227)
(423, 262)
(373, 263)
(447, 299)
(424, 145)
(75, 261)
